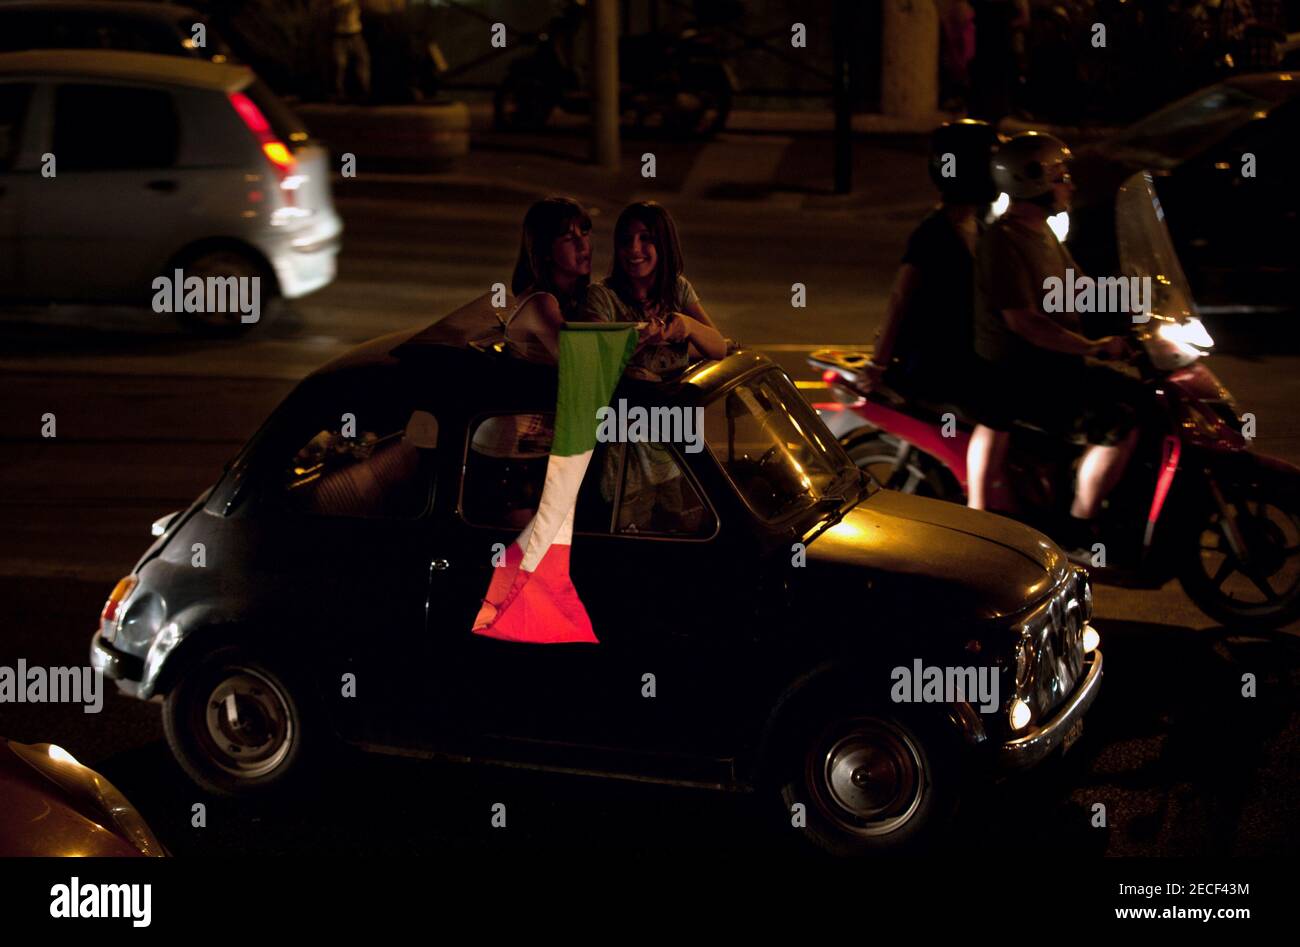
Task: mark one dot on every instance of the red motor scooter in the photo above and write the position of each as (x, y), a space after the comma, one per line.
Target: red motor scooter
(1195, 503)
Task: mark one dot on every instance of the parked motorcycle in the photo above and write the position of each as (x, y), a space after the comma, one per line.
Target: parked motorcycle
(676, 82)
(1195, 503)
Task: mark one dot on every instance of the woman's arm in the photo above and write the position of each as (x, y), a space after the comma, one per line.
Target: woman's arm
(696, 312)
(542, 317)
(896, 310)
(706, 340)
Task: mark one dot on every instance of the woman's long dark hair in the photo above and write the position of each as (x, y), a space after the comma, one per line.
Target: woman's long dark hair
(547, 221)
(663, 232)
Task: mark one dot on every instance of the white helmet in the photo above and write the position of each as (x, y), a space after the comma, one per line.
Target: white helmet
(1029, 164)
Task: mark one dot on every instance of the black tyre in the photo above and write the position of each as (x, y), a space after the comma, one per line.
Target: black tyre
(869, 783)
(223, 262)
(897, 465)
(1257, 590)
(523, 104)
(237, 726)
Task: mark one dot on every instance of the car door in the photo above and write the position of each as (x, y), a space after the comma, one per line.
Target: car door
(495, 691)
(343, 548)
(674, 597)
(15, 104)
(657, 580)
(97, 229)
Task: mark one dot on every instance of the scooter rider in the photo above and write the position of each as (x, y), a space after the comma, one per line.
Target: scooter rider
(924, 350)
(1041, 373)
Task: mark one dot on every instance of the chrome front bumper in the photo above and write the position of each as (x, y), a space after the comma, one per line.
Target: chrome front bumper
(1030, 749)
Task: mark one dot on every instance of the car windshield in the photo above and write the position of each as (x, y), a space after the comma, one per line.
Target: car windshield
(1189, 126)
(775, 449)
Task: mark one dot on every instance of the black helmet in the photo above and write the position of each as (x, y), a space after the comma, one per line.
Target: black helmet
(959, 161)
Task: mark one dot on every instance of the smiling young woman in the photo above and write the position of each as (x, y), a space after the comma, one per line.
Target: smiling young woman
(647, 284)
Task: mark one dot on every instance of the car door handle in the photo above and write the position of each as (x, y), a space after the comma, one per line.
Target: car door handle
(165, 186)
(440, 565)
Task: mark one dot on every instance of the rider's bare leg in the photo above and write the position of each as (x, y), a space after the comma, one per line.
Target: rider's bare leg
(1099, 471)
(985, 455)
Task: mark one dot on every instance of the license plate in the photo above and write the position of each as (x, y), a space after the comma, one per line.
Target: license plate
(1072, 735)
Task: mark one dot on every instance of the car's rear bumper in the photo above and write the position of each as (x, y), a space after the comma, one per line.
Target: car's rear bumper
(304, 259)
(116, 665)
(1030, 749)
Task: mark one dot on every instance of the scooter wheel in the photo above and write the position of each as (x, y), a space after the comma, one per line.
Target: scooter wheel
(899, 466)
(1259, 589)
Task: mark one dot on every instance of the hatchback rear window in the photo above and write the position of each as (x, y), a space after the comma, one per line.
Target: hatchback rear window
(108, 128)
(287, 126)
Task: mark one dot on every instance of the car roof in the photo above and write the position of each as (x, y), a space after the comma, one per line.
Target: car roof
(445, 358)
(130, 8)
(115, 64)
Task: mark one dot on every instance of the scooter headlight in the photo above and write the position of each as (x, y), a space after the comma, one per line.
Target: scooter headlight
(1189, 336)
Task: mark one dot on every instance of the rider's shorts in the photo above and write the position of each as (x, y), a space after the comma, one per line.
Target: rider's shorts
(1094, 402)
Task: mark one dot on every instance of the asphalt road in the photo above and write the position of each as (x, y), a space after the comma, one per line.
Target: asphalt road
(146, 416)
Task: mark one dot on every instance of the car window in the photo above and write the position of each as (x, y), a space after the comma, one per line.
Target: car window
(654, 495)
(114, 128)
(505, 470)
(1193, 124)
(286, 125)
(505, 467)
(364, 466)
(773, 447)
(14, 97)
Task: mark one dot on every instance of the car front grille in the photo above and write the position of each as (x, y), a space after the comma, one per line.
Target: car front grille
(1049, 659)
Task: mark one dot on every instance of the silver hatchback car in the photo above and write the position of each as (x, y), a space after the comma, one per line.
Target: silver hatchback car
(120, 169)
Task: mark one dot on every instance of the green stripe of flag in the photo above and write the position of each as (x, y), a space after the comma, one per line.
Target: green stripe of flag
(592, 358)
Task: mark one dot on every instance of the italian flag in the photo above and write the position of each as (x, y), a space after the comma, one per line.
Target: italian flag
(531, 597)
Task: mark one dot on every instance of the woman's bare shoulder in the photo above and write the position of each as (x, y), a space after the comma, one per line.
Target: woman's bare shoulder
(541, 302)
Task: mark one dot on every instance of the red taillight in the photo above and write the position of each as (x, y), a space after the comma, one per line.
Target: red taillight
(274, 149)
(120, 593)
(252, 116)
(829, 376)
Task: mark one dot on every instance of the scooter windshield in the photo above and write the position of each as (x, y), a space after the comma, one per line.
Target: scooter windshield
(1146, 249)
(1171, 330)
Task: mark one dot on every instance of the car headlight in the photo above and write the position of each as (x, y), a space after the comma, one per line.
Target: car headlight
(1020, 714)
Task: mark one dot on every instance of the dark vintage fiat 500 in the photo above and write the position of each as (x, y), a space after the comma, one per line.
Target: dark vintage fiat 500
(767, 615)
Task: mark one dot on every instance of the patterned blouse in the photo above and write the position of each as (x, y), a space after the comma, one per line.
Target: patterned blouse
(605, 305)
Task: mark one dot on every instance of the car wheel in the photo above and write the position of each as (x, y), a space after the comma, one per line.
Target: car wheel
(869, 783)
(224, 262)
(237, 726)
(897, 465)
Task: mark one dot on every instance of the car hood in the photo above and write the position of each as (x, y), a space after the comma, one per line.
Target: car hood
(929, 554)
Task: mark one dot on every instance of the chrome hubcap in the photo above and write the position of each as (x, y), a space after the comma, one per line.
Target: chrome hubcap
(247, 726)
(868, 777)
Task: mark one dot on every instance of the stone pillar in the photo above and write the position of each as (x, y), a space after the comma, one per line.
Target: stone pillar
(604, 61)
(909, 85)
